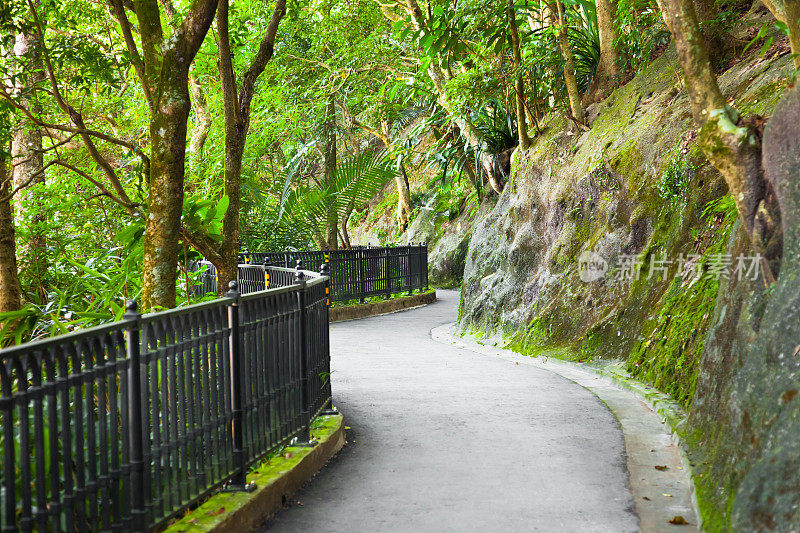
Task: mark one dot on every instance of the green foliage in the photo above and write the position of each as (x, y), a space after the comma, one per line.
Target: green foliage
(641, 31)
(676, 177)
(306, 207)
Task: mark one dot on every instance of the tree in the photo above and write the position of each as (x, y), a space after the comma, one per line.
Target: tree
(438, 68)
(331, 241)
(608, 71)
(731, 144)
(569, 66)
(163, 71)
(519, 85)
(237, 102)
(27, 159)
(10, 292)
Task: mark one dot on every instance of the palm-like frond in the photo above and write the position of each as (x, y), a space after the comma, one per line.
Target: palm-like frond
(356, 181)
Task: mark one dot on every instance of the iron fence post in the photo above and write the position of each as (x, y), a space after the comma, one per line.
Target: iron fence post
(238, 481)
(362, 287)
(135, 419)
(388, 263)
(304, 435)
(425, 265)
(410, 279)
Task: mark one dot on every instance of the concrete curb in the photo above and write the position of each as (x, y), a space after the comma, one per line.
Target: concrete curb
(340, 314)
(237, 512)
(649, 442)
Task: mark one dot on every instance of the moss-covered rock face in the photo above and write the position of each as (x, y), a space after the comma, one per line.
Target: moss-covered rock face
(635, 190)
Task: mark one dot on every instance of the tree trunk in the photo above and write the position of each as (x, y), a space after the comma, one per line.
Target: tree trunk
(10, 291)
(609, 58)
(403, 197)
(201, 122)
(163, 69)
(569, 66)
(519, 86)
(27, 160)
(237, 105)
(793, 22)
(731, 145)
(167, 159)
(345, 221)
(330, 172)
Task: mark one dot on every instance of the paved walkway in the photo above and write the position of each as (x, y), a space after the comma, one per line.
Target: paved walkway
(445, 439)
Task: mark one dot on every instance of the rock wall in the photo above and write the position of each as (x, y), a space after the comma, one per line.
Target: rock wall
(581, 256)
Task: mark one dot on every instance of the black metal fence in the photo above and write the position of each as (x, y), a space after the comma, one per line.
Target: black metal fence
(122, 426)
(357, 273)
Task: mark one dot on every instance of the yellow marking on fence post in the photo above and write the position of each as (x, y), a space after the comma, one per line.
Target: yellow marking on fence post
(327, 288)
(266, 279)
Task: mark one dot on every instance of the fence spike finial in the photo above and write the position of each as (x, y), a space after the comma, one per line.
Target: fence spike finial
(131, 308)
(233, 289)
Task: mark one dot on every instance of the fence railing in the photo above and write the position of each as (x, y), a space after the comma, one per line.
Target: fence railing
(355, 274)
(122, 426)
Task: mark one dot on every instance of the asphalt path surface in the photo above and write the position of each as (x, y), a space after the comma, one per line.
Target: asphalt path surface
(445, 439)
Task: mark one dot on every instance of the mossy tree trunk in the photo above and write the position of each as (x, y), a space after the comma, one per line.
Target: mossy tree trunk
(569, 66)
(607, 76)
(10, 291)
(519, 85)
(163, 69)
(27, 160)
(732, 145)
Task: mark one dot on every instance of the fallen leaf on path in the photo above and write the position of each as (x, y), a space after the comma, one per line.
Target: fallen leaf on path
(646, 498)
(796, 350)
(666, 495)
(217, 512)
(661, 467)
(679, 521)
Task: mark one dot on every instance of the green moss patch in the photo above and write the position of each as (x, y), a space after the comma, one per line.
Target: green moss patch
(218, 507)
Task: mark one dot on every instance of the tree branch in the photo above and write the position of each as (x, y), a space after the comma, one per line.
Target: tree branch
(118, 10)
(203, 244)
(76, 117)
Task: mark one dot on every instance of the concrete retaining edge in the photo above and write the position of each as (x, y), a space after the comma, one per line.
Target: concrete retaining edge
(340, 314)
(237, 512)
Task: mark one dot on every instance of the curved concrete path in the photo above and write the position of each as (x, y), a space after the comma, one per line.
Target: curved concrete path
(445, 439)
